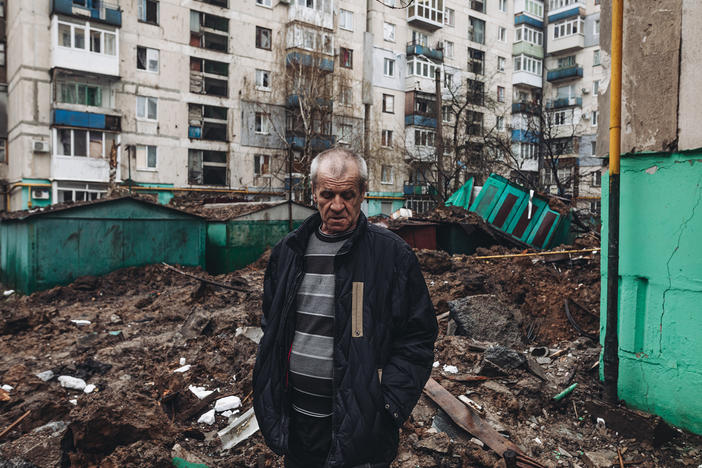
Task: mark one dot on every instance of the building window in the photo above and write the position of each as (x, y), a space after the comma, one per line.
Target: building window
(147, 59)
(500, 123)
(503, 5)
(84, 143)
(261, 123)
(448, 80)
(207, 167)
(147, 108)
(262, 164)
(263, 80)
(389, 67)
(556, 4)
(500, 64)
(568, 27)
(345, 95)
(389, 32)
(386, 138)
(423, 137)
(346, 19)
(3, 150)
(263, 38)
(596, 178)
(74, 36)
(445, 113)
(146, 157)
(420, 38)
(385, 174)
(72, 192)
(2, 54)
(527, 64)
(477, 5)
(265, 3)
(596, 27)
(389, 103)
(528, 34)
(417, 66)
(207, 122)
(593, 147)
(147, 11)
(449, 17)
(448, 49)
(595, 87)
(475, 92)
(500, 94)
(476, 61)
(566, 62)
(595, 116)
(476, 30)
(346, 56)
(79, 93)
(562, 117)
(595, 58)
(501, 34)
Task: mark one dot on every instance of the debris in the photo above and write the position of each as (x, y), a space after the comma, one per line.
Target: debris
(227, 403)
(253, 333)
(7, 388)
(450, 369)
(470, 403)
(229, 413)
(575, 324)
(486, 318)
(89, 388)
(538, 441)
(599, 459)
(75, 383)
(207, 418)
(205, 280)
(504, 357)
(181, 463)
(73, 401)
(534, 366)
(195, 324)
(8, 292)
(565, 392)
(16, 422)
(200, 392)
(632, 423)
(114, 318)
(436, 364)
(467, 378)
(240, 429)
(4, 395)
(477, 442)
(81, 322)
(182, 369)
(439, 443)
(469, 421)
(182, 361)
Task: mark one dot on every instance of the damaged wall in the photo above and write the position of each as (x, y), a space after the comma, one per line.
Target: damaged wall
(660, 328)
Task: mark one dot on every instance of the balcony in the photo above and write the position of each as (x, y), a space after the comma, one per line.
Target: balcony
(325, 104)
(525, 108)
(568, 11)
(71, 118)
(527, 48)
(524, 136)
(307, 60)
(95, 10)
(535, 8)
(416, 120)
(564, 102)
(522, 78)
(565, 44)
(415, 48)
(418, 189)
(526, 19)
(317, 143)
(320, 14)
(565, 73)
(72, 47)
(421, 14)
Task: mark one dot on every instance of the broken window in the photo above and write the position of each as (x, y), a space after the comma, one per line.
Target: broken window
(215, 87)
(386, 174)
(262, 164)
(219, 3)
(476, 61)
(148, 11)
(346, 56)
(263, 79)
(476, 92)
(261, 123)
(474, 123)
(207, 167)
(147, 59)
(263, 38)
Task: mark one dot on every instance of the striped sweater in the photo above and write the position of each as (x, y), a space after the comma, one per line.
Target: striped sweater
(311, 356)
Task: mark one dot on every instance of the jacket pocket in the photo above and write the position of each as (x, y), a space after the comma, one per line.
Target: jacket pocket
(357, 309)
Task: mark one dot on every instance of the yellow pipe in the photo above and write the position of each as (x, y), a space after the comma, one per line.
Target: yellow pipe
(537, 254)
(615, 96)
(22, 184)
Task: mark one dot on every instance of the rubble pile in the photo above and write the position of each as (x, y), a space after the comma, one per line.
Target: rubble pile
(150, 367)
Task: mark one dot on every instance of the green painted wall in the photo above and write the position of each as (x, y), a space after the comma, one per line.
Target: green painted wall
(57, 247)
(375, 207)
(26, 194)
(232, 245)
(660, 296)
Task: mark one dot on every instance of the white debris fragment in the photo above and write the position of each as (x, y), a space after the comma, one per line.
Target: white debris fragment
(200, 392)
(472, 404)
(477, 442)
(46, 375)
(7, 388)
(90, 388)
(75, 383)
(81, 322)
(73, 401)
(600, 422)
(450, 369)
(182, 369)
(9, 292)
(253, 333)
(227, 403)
(436, 364)
(538, 441)
(229, 413)
(207, 418)
(182, 361)
(240, 429)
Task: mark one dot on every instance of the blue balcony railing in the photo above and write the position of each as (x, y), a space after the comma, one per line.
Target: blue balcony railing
(563, 73)
(414, 48)
(70, 118)
(564, 102)
(307, 60)
(524, 108)
(418, 189)
(320, 142)
(525, 19)
(420, 121)
(293, 100)
(90, 9)
(525, 136)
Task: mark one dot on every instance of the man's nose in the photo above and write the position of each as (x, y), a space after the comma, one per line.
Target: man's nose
(337, 203)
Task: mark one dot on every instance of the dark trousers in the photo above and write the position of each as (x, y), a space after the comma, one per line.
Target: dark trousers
(309, 441)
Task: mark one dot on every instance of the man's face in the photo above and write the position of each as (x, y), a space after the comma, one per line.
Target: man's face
(338, 197)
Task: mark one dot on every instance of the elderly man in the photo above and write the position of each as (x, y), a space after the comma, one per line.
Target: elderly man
(349, 331)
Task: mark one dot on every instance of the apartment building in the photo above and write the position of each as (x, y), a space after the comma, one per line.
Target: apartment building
(223, 96)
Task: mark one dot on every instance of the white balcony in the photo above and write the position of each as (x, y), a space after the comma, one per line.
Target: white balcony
(565, 44)
(427, 14)
(526, 79)
(321, 14)
(87, 47)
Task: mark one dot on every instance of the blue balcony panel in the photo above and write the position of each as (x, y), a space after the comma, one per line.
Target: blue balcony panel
(562, 73)
(564, 102)
(565, 14)
(194, 132)
(307, 60)
(420, 121)
(318, 142)
(524, 108)
(525, 136)
(78, 119)
(419, 49)
(293, 100)
(526, 19)
(91, 9)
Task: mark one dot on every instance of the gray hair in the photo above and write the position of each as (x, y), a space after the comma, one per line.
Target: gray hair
(343, 155)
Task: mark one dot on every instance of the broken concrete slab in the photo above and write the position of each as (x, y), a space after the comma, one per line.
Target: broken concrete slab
(439, 442)
(486, 318)
(504, 357)
(600, 458)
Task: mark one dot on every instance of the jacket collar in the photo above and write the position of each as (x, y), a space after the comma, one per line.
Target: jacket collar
(301, 236)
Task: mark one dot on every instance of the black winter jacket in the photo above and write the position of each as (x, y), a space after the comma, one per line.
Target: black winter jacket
(384, 333)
